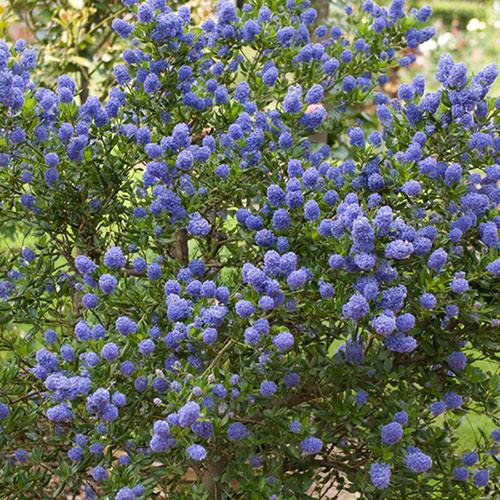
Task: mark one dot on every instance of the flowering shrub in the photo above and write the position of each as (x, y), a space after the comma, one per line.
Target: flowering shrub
(215, 306)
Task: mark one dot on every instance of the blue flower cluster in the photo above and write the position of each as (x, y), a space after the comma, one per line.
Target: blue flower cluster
(251, 294)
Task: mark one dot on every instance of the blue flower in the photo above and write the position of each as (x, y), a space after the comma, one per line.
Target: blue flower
(197, 452)
(356, 307)
(99, 473)
(114, 258)
(311, 445)
(391, 433)
(481, 478)
(283, 341)
(437, 408)
(384, 324)
(268, 388)
(417, 461)
(188, 414)
(460, 473)
(452, 400)
(380, 475)
(123, 28)
(107, 283)
(357, 137)
(198, 225)
(314, 94)
(437, 260)
(244, 308)
(236, 430)
(125, 494)
(469, 459)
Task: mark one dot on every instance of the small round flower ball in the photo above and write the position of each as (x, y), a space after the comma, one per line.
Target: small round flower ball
(326, 290)
(107, 283)
(51, 159)
(75, 453)
(266, 302)
(251, 336)
(124, 459)
(314, 94)
(50, 336)
(459, 285)
(154, 271)
(114, 258)
(21, 455)
(17, 136)
(291, 379)
(51, 175)
(470, 458)
(255, 461)
(283, 341)
(495, 434)
(411, 188)
(457, 361)
(405, 322)
(437, 408)
(119, 399)
(198, 226)
(83, 331)
(219, 391)
(428, 301)
(28, 255)
(437, 260)
(311, 445)
(92, 358)
(401, 417)
(90, 300)
(295, 426)
(99, 473)
(141, 383)
(383, 324)
(268, 388)
(244, 308)
(197, 452)
(125, 325)
(418, 461)
(81, 440)
(361, 398)
(453, 400)
(96, 449)
(127, 367)
(460, 473)
(311, 210)
(222, 294)
(139, 265)
(380, 475)
(296, 279)
(146, 347)
(208, 289)
(125, 494)
(336, 261)
(481, 478)
(356, 307)
(391, 433)
(138, 490)
(188, 414)
(67, 353)
(236, 430)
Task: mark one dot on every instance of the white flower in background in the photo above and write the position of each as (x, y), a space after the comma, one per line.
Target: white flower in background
(444, 39)
(476, 25)
(428, 47)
